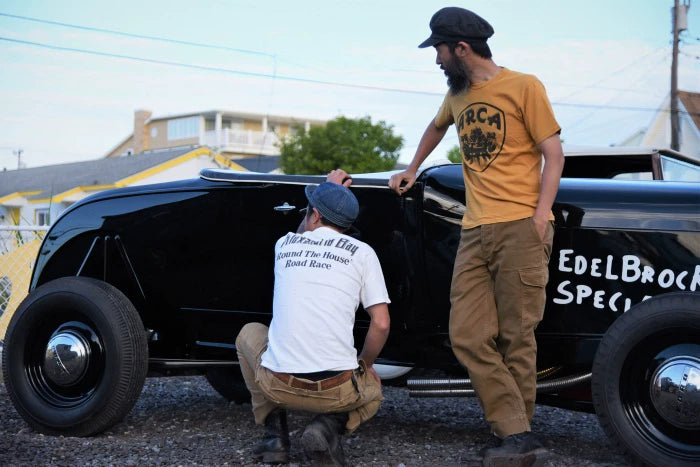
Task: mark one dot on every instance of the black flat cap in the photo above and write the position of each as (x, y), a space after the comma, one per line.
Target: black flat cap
(454, 24)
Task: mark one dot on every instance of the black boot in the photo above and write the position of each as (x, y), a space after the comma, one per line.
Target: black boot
(322, 439)
(522, 449)
(492, 442)
(274, 448)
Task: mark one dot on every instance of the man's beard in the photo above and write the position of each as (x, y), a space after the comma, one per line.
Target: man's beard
(458, 76)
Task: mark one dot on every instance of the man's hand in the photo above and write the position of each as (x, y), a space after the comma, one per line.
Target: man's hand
(339, 177)
(402, 182)
(551, 173)
(541, 225)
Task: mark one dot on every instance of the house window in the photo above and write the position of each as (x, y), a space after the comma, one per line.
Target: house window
(232, 123)
(41, 217)
(182, 128)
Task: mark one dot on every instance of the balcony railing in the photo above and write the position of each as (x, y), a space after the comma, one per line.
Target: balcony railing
(246, 141)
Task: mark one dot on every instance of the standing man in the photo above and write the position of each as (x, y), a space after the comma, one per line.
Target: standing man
(306, 360)
(505, 126)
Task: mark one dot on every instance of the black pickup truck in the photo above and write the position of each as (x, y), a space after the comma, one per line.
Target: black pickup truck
(158, 280)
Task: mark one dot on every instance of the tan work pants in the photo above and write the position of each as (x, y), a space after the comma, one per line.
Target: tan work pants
(498, 298)
(360, 396)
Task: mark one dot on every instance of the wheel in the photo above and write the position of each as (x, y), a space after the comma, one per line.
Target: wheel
(75, 357)
(228, 381)
(397, 376)
(646, 380)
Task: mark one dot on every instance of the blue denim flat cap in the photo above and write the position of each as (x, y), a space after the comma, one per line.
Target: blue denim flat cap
(454, 24)
(334, 202)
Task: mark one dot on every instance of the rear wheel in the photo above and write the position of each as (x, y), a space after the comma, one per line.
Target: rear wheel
(228, 381)
(75, 357)
(646, 380)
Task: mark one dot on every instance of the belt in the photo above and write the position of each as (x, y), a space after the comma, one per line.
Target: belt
(321, 385)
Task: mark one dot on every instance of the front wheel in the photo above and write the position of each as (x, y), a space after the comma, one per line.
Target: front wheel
(646, 380)
(75, 357)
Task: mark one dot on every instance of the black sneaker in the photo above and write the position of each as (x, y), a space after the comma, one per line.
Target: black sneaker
(322, 441)
(522, 449)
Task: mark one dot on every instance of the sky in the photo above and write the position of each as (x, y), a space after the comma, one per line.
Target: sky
(605, 64)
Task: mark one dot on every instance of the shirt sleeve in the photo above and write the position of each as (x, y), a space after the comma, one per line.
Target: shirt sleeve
(444, 116)
(538, 115)
(373, 286)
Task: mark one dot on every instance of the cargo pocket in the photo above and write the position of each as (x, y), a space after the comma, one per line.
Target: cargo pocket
(532, 296)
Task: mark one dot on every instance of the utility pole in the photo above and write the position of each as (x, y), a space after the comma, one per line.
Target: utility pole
(679, 21)
(18, 153)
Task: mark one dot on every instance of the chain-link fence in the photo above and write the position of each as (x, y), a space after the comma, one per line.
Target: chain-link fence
(18, 249)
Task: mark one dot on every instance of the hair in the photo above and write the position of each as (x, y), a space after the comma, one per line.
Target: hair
(325, 221)
(481, 48)
(328, 223)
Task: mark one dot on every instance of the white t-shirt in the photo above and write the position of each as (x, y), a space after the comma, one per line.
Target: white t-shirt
(321, 277)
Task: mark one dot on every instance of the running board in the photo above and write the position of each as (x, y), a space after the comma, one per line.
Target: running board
(170, 364)
(462, 387)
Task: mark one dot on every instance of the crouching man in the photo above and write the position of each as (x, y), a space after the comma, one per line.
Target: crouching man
(306, 360)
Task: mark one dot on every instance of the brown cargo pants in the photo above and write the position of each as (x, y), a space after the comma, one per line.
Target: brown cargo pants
(360, 396)
(498, 298)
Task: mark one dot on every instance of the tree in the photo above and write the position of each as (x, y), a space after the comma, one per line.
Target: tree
(454, 155)
(355, 145)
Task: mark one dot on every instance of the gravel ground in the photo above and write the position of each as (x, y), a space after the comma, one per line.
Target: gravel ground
(182, 421)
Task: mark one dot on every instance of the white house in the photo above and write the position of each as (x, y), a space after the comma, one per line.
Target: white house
(658, 133)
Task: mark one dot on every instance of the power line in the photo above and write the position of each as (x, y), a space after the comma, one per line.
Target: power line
(292, 78)
(255, 52)
(612, 120)
(221, 70)
(138, 36)
(579, 121)
(618, 71)
(696, 57)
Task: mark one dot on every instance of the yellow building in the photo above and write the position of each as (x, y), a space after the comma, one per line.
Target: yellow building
(37, 195)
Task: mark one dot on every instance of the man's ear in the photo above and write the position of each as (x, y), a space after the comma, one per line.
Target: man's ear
(463, 49)
(315, 216)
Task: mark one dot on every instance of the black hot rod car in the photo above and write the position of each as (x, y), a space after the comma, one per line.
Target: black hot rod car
(159, 279)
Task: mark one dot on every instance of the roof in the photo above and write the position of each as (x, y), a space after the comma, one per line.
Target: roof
(244, 115)
(691, 102)
(53, 179)
(573, 150)
(631, 151)
(378, 179)
(657, 133)
(268, 164)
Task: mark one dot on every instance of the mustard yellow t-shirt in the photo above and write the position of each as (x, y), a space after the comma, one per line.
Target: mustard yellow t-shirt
(499, 123)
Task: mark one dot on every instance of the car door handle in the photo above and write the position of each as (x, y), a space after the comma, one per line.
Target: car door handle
(285, 207)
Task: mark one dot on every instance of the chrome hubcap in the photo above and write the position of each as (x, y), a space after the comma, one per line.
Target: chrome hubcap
(675, 392)
(66, 358)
